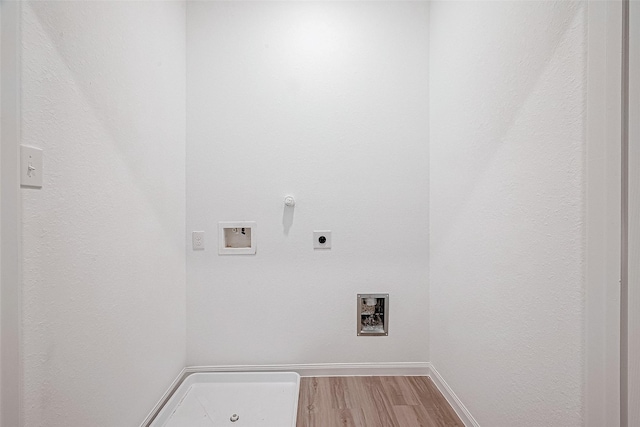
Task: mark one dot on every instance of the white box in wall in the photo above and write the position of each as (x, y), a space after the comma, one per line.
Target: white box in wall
(373, 314)
(236, 237)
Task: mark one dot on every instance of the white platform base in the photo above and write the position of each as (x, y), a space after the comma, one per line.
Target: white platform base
(265, 399)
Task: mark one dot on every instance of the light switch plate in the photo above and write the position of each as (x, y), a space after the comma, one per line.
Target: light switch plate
(30, 166)
(319, 242)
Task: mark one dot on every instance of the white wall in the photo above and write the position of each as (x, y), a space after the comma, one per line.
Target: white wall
(602, 216)
(10, 364)
(326, 101)
(104, 265)
(507, 86)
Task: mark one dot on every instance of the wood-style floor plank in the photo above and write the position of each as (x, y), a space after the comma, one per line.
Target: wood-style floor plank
(433, 401)
(373, 402)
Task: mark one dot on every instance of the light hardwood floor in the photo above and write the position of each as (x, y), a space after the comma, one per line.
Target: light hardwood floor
(373, 402)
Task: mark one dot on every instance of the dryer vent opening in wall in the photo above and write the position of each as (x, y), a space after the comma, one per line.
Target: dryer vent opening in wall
(237, 238)
(373, 314)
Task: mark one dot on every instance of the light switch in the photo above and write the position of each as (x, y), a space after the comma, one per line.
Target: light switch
(30, 166)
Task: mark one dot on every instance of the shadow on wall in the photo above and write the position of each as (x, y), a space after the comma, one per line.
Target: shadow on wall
(493, 100)
(105, 65)
(287, 219)
(104, 256)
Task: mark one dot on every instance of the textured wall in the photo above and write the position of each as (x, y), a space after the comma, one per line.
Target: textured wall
(326, 101)
(507, 86)
(104, 262)
(11, 289)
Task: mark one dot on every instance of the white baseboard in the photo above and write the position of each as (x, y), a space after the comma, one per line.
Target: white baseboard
(165, 397)
(327, 369)
(454, 401)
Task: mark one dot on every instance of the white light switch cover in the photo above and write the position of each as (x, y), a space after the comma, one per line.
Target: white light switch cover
(30, 166)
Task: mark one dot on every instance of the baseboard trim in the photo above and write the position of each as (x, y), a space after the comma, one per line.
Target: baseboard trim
(327, 369)
(165, 397)
(454, 401)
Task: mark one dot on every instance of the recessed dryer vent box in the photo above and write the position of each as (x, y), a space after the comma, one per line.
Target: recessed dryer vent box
(237, 238)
